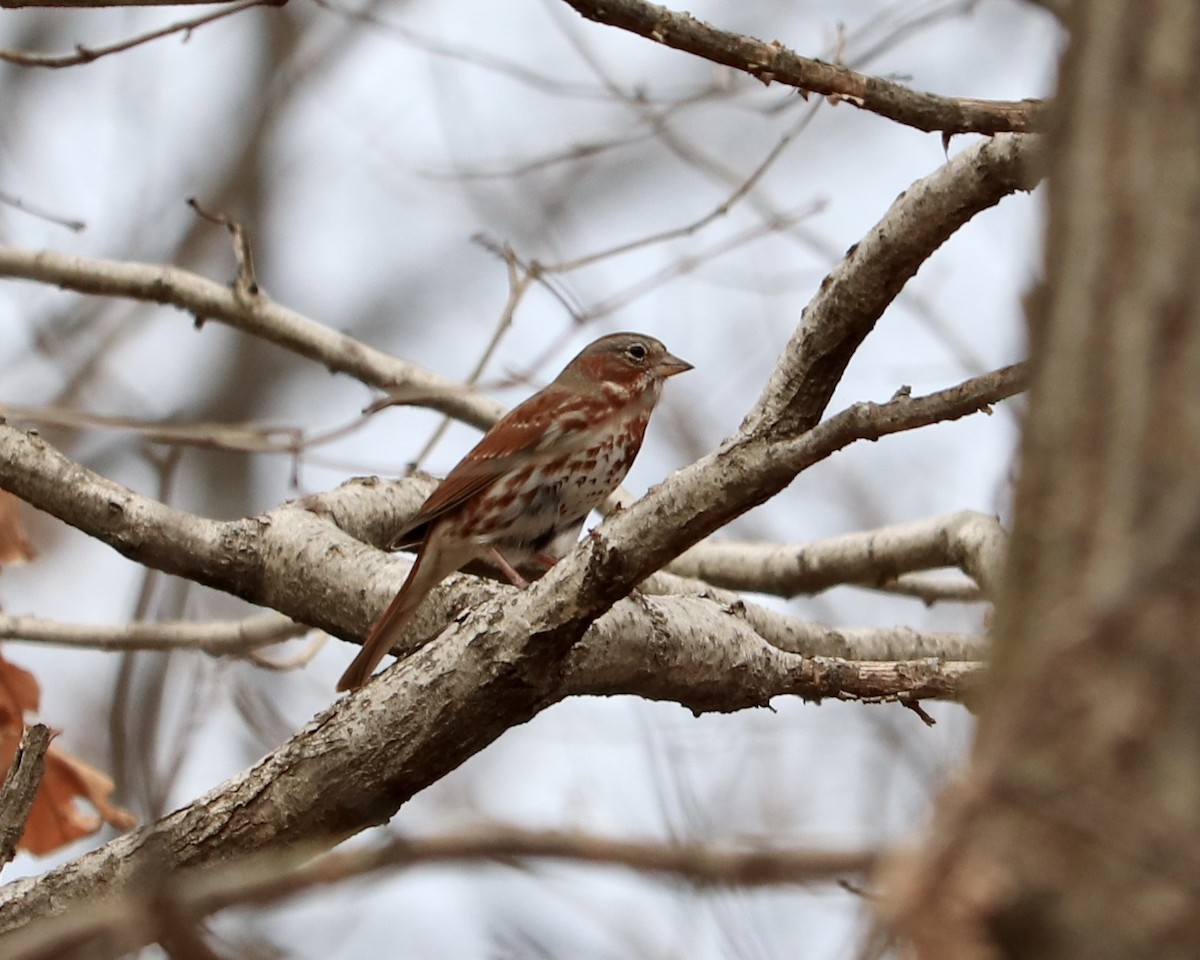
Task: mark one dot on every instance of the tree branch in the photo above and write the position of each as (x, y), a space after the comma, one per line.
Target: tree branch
(509, 657)
(444, 703)
(292, 560)
(20, 787)
(973, 542)
(256, 315)
(277, 875)
(429, 714)
(84, 54)
(214, 637)
(930, 588)
(818, 640)
(859, 289)
(774, 62)
(21, 4)
(709, 657)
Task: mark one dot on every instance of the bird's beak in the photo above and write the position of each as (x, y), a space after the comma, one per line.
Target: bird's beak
(670, 365)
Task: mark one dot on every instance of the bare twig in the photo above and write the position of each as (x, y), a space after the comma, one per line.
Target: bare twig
(275, 876)
(20, 788)
(71, 223)
(243, 437)
(215, 637)
(246, 284)
(971, 541)
(84, 54)
(207, 300)
(545, 274)
(296, 662)
(485, 59)
(931, 588)
(518, 283)
(775, 62)
(21, 4)
(913, 704)
(684, 265)
(258, 438)
(521, 168)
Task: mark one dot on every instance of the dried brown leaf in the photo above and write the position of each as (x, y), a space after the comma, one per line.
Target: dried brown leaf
(19, 694)
(14, 544)
(56, 818)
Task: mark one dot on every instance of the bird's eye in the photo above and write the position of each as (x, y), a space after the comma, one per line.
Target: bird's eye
(636, 352)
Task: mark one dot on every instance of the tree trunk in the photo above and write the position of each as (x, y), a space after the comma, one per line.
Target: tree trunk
(1076, 832)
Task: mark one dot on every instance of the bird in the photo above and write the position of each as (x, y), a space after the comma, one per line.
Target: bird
(521, 495)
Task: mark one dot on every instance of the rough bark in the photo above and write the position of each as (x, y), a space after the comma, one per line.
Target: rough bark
(1077, 830)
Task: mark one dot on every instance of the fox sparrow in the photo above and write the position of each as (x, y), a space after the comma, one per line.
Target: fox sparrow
(522, 494)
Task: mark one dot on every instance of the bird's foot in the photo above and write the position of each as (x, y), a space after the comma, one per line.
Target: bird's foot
(514, 577)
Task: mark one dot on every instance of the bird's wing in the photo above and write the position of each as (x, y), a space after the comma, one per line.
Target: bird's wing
(536, 431)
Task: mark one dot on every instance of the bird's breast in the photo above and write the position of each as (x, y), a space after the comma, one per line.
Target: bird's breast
(538, 499)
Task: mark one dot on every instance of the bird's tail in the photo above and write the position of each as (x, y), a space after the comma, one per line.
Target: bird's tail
(390, 627)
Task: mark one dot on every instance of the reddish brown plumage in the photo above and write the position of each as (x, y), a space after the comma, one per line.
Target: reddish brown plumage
(521, 495)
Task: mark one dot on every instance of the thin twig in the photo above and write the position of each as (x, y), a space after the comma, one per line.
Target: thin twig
(206, 299)
(248, 437)
(21, 787)
(246, 284)
(931, 588)
(215, 637)
(41, 213)
(278, 875)
(296, 662)
(720, 210)
(84, 54)
(518, 284)
(100, 4)
(685, 265)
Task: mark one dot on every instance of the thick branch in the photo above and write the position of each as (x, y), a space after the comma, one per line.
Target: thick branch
(293, 561)
(774, 62)
(686, 650)
(450, 698)
(819, 640)
(433, 711)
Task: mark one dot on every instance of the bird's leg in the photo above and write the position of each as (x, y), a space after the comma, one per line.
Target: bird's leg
(507, 568)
